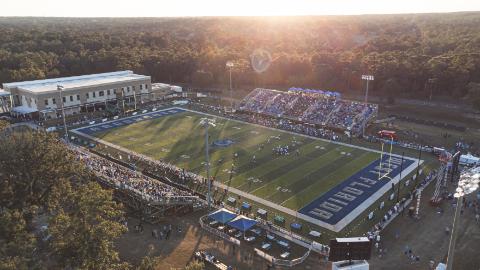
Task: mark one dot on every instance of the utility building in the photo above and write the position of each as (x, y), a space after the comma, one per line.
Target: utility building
(44, 98)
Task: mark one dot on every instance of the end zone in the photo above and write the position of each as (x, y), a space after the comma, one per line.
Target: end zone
(343, 203)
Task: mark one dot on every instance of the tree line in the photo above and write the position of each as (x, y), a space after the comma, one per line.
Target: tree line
(53, 214)
(416, 56)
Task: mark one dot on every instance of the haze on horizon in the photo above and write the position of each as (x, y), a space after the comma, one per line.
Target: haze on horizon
(180, 8)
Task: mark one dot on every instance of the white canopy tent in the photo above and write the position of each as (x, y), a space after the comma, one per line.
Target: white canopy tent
(23, 110)
(469, 159)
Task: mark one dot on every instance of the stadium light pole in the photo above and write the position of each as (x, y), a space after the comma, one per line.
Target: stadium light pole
(367, 78)
(230, 66)
(123, 101)
(60, 90)
(135, 99)
(467, 184)
(206, 123)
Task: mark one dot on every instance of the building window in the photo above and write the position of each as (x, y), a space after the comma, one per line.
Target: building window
(141, 86)
(93, 94)
(133, 88)
(53, 101)
(115, 91)
(128, 89)
(108, 92)
(71, 98)
(146, 86)
(46, 101)
(100, 93)
(87, 95)
(64, 99)
(78, 97)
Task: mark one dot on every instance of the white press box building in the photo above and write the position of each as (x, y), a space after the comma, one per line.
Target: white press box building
(42, 98)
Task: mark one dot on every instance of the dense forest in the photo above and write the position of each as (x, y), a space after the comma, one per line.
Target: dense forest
(410, 55)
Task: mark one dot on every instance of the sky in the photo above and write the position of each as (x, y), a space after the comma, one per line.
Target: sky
(179, 8)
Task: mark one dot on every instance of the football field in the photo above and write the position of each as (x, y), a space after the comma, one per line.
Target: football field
(316, 178)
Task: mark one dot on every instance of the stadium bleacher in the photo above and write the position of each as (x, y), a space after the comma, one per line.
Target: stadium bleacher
(128, 179)
(311, 106)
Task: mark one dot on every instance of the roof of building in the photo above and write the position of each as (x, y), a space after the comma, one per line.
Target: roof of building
(75, 82)
(352, 239)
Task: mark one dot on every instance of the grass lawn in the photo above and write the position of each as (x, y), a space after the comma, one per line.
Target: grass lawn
(292, 180)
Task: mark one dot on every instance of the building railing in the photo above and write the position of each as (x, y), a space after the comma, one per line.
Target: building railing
(293, 262)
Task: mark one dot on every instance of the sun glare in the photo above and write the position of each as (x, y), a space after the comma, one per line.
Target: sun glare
(160, 8)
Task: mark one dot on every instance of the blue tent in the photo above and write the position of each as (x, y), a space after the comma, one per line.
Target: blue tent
(223, 215)
(242, 223)
(296, 226)
(246, 206)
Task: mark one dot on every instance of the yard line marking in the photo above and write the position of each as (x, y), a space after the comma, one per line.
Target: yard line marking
(265, 165)
(304, 164)
(302, 135)
(336, 228)
(324, 177)
(331, 161)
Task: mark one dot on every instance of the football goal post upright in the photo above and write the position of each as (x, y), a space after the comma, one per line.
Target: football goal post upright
(389, 161)
(390, 157)
(381, 161)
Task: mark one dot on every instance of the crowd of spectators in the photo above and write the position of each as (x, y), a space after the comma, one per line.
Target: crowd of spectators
(171, 172)
(279, 123)
(310, 107)
(319, 112)
(125, 178)
(300, 104)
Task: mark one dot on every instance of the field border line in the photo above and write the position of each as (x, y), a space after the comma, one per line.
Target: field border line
(340, 225)
(298, 134)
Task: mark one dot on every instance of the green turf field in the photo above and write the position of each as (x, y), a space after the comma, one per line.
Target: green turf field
(292, 180)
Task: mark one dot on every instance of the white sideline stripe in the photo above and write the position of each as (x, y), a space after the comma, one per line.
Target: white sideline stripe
(335, 228)
(129, 122)
(298, 134)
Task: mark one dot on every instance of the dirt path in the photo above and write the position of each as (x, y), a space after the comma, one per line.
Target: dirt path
(427, 239)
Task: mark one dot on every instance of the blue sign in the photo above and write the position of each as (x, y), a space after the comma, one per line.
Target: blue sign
(338, 202)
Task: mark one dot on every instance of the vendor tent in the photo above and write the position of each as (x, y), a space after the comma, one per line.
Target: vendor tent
(223, 215)
(242, 223)
(279, 219)
(296, 226)
(262, 212)
(23, 110)
(246, 206)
